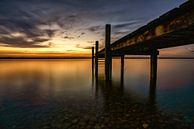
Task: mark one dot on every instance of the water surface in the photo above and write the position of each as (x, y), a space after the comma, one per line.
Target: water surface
(63, 94)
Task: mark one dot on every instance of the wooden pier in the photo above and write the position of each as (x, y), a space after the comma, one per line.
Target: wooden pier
(174, 28)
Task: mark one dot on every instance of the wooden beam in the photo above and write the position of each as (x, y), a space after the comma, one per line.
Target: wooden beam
(96, 60)
(92, 52)
(93, 61)
(174, 28)
(174, 20)
(122, 70)
(108, 57)
(153, 70)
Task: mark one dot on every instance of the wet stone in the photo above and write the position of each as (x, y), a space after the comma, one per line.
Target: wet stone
(145, 125)
(75, 121)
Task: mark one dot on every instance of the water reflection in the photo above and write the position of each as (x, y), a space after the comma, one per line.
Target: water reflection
(121, 110)
(65, 94)
(109, 85)
(42, 79)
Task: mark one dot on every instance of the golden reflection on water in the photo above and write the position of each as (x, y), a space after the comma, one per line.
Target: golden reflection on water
(40, 79)
(173, 74)
(55, 85)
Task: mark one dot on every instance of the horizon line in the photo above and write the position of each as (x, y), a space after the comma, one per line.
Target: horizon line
(89, 57)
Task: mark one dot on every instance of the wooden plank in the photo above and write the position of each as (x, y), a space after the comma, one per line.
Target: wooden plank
(179, 18)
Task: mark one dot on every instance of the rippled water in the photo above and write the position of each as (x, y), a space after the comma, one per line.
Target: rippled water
(63, 94)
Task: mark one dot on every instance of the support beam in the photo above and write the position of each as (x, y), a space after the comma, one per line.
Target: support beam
(122, 70)
(92, 60)
(96, 60)
(92, 52)
(93, 66)
(153, 72)
(172, 29)
(108, 57)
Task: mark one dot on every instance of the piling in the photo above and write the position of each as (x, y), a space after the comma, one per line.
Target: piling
(122, 70)
(108, 56)
(96, 59)
(92, 60)
(93, 66)
(153, 70)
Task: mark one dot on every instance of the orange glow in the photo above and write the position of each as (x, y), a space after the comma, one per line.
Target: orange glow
(55, 46)
(61, 48)
(11, 51)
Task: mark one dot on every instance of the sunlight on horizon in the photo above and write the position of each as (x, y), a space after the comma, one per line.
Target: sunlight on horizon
(60, 29)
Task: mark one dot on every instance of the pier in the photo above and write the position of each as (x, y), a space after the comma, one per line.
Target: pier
(174, 28)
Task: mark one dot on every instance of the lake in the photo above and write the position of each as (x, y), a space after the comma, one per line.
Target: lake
(64, 94)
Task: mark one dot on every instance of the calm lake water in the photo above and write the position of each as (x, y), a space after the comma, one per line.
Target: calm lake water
(62, 94)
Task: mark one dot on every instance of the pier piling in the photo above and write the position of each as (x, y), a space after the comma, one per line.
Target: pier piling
(153, 70)
(122, 70)
(93, 66)
(96, 60)
(92, 60)
(108, 57)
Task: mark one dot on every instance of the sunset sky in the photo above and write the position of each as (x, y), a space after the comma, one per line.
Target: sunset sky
(70, 27)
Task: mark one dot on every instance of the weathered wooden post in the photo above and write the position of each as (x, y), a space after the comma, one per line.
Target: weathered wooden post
(92, 66)
(92, 53)
(96, 60)
(96, 68)
(122, 70)
(153, 71)
(108, 56)
(92, 60)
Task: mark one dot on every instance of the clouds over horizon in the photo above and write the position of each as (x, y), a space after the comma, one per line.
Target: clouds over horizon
(33, 24)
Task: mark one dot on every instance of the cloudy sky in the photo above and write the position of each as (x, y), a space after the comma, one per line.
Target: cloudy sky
(70, 27)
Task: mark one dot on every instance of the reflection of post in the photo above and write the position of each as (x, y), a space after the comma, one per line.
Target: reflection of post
(92, 60)
(108, 57)
(92, 55)
(122, 70)
(152, 96)
(153, 73)
(96, 60)
(92, 66)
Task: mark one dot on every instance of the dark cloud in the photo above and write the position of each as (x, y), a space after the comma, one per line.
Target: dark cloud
(49, 33)
(41, 20)
(21, 42)
(95, 28)
(125, 25)
(69, 37)
(83, 33)
(84, 47)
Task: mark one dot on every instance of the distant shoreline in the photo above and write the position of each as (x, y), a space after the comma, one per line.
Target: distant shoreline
(45, 57)
(91, 57)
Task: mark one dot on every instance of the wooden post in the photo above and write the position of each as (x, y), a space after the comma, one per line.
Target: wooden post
(92, 66)
(96, 68)
(92, 53)
(96, 60)
(122, 70)
(92, 60)
(108, 57)
(153, 71)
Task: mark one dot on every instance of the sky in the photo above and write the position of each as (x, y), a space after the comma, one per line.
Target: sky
(71, 27)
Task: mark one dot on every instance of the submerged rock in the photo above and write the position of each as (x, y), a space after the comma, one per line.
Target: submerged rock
(145, 125)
